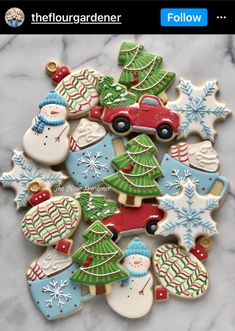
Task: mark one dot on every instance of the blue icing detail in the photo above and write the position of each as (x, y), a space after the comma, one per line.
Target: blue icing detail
(189, 217)
(90, 165)
(195, 108)
(176, 172)
(53, 98)
(57, 296)
(28, 171)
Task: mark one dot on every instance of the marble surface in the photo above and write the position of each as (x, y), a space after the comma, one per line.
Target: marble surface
(23, 83)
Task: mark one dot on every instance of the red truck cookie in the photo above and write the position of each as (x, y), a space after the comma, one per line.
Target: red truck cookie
(148, 116)
(132, 220)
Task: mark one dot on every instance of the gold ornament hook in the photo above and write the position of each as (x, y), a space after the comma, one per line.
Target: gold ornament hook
(205, 242)
(52, 66)
(35, 185)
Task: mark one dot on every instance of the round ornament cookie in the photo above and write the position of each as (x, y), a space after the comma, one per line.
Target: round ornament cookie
(179, 272)
(198, 109)
(133, 297)
(47, 140)
(51, 219)
(78, 87)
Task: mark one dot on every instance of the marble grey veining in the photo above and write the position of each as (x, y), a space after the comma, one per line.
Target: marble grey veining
(23, 83)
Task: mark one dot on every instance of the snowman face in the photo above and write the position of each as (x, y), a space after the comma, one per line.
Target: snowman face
(137, 262)
(54, 112)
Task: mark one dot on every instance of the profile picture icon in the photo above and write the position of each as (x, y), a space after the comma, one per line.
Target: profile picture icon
(14, 17)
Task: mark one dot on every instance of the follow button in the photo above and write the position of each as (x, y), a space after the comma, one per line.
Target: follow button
(184, 17)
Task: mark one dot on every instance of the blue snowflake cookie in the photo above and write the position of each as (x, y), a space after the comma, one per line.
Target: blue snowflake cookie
(187, 215)
(198, 109)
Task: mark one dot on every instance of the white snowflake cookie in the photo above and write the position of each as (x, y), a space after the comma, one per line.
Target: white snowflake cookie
(25, 171)
(188, 215)
(198, 109)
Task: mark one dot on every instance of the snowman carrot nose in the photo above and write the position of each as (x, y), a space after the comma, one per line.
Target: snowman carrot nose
(53, 112)
(136, 262)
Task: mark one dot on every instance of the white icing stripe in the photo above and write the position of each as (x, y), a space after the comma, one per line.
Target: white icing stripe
(147, 147)
(144, 166)
(100, 275)
(142, 174)
(149, 87)
(142, 68)
(133, 57)
(138, 186)
(98, 254)
(95, 242)
(99, 264)
(129, 50)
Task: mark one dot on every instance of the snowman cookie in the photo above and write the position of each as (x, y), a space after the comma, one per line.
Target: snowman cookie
(25, 171)
(198, 109)
(133, 297)
(179, 272)
(188, 215)
(78, 87)
(91, 152)
(47, 140)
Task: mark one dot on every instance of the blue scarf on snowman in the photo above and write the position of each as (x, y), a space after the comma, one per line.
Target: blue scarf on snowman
(53, 98)
(136, 246)
(41, 122)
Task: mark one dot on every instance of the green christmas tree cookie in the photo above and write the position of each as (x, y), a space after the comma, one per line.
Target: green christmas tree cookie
(141, 73)
(137, 170)
(113, 94)
(95, 207)
(99, 260)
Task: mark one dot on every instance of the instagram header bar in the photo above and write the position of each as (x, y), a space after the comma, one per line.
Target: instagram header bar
(68, 17)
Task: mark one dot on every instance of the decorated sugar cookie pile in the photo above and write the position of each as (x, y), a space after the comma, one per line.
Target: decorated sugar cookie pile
(175, 197)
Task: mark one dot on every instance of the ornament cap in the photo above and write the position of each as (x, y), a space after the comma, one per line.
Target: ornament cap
(52, 66)
(205, 242)
(35, 185)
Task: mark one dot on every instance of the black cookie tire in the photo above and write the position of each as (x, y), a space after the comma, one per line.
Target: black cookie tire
(115, 234)
(164, 131)
(151, 227)
(121, 124)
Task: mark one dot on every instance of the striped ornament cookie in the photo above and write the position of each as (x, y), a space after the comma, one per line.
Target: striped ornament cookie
(180, 272)
(51, 220)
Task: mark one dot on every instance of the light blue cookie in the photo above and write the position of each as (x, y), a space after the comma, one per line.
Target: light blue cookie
(57, 296)
(90, 165)
(175, 172)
